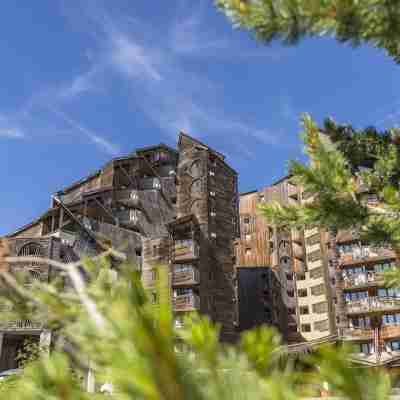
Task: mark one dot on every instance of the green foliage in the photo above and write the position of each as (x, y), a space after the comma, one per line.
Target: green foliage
(375, 22)
(112, 327)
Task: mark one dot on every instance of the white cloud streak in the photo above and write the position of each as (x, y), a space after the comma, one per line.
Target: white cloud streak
(102, 143)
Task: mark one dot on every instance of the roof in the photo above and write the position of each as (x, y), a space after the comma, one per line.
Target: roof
(155, 147)
(250, 192)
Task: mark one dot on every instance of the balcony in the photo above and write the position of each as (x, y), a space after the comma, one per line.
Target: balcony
(390, 331)
(373, 304)
(364, 279)
(187, 276)
(356, 334)
(184, 250)
(21, 325)
(360, 254)
(292, 191)
(186, 302)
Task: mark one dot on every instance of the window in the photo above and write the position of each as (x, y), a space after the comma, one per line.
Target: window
(153, 298)
(134, 215)
(355, 296)
(154, 274)
(248, 236)
(212, 194)
(391, 292)
(247, 252)
(320, 308)
(304, 310)
(391, 319)
(318, 290)
(321, 326)
(300, 277)
(154, 251)
(314, 256)
(212, 173)
(290, 293)
(156, 184)
(395, 345)
(213, 214)
(262, 197)
(246, 220)
(316, 273)
(302, 292)
(306, 328)
(271, 245)
(134, 195)
(291, 311)
(182, 292)
(138, 252)
(314, 239)
(213, 235)
(366, 348)
(289, 276)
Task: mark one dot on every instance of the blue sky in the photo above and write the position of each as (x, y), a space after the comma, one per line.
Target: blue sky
(83, 81)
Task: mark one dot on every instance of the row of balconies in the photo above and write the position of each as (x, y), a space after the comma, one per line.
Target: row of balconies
(362, 279)
(372, 304)
(386, 332)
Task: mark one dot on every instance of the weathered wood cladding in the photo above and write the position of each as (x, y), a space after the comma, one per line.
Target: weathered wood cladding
(207, 189)
(253, 246)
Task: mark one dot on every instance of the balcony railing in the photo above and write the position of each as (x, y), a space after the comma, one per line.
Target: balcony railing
(190, 276)
(363, 279)
(185, 250)
(373, 304)
(356, 333)
(21, 325)
(390, 331)
(186, 302)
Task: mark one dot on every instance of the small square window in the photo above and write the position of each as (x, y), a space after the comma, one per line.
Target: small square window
(306, 328)
(304, 310)
(302, 292)
(246, 220)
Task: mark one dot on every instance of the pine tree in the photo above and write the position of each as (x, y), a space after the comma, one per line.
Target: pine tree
(375, 22)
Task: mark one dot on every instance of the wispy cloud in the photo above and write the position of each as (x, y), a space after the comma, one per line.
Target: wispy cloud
(171, 94)
(100, 141)
(11, 133)
(9, 130)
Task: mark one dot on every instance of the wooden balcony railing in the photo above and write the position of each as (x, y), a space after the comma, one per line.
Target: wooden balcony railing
(390, 331)
(356, 333)
(185, 250)
(188, 277)
(373, 304)
(186, 302)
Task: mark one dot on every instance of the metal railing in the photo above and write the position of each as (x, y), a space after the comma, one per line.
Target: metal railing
(371, 304)
(361, 279)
